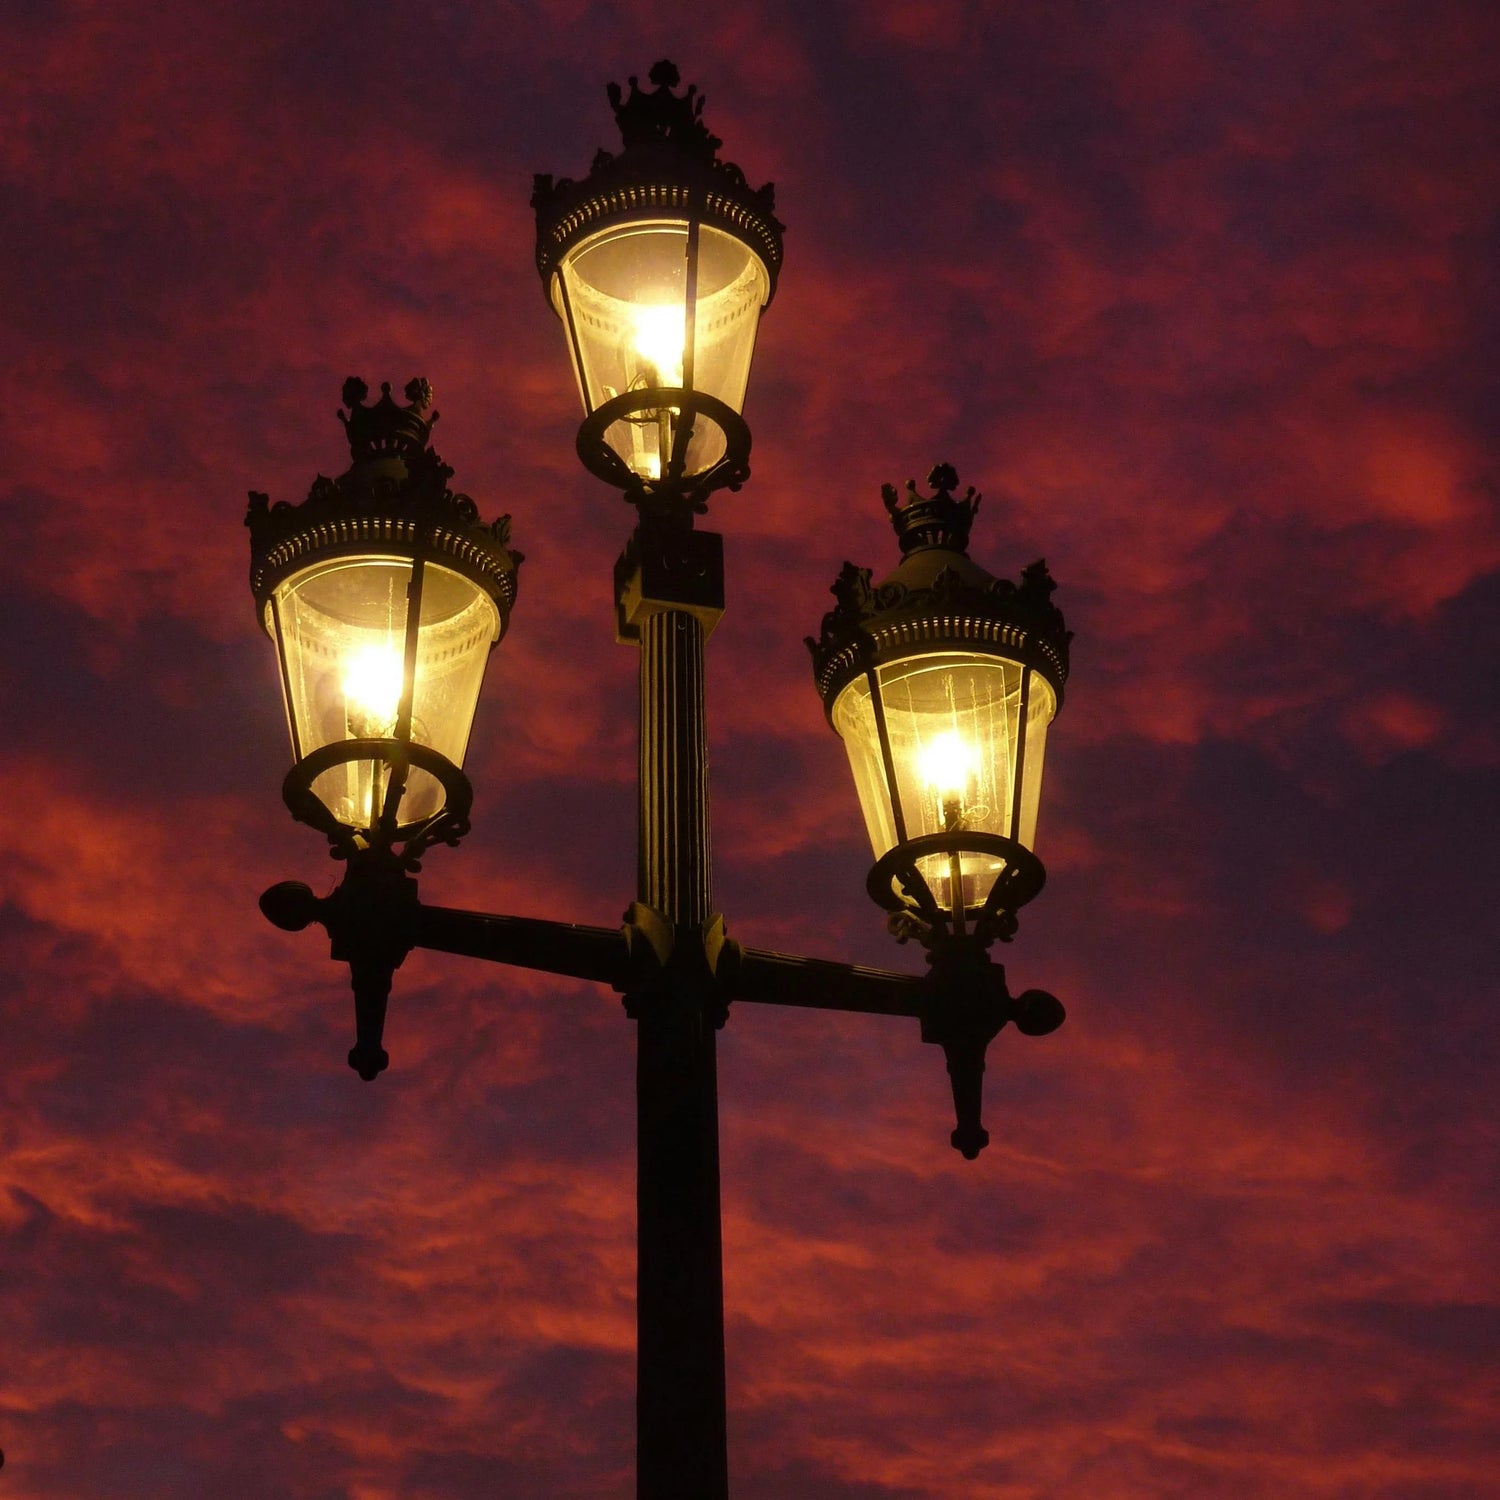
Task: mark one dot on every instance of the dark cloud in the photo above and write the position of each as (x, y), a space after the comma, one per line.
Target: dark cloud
(1203, 300)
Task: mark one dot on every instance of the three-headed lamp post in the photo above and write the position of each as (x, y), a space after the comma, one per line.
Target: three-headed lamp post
(384, 594)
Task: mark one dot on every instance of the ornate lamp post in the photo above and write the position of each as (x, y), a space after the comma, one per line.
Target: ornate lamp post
(384, 594)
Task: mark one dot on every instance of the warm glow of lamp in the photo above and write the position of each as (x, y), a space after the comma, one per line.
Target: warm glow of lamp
(657, 334)
(371, 680)
(342, 627)
(948, 763)
(658, 264)
(955, 725)
(661, 305)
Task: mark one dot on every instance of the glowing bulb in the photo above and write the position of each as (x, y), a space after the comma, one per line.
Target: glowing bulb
(372, 681)
(947, 763)
(657, 334)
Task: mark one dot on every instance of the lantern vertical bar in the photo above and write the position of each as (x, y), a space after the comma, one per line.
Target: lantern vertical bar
(887, 760)
(574, 347)
(690, 303)
(286, 679)
(683, 435)
(1023, 715)
(396, 787)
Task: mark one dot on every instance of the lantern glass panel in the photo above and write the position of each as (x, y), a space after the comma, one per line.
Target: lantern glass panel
(341, 629)
(623, 296)
(955, 727)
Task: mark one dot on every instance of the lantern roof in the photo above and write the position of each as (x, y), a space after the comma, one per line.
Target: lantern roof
(394, 498)
(937, 598)
(668, 167)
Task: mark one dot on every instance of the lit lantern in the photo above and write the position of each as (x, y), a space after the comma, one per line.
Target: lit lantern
(941, 682)
(658, 263)
(384, 594)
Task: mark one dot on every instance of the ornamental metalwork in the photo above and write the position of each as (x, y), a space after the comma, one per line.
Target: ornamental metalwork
(669, 165)
(937, 597)
(394, 495)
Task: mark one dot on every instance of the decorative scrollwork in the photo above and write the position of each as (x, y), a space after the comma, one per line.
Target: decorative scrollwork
(668, 155)
(395, 490)
(937, 594)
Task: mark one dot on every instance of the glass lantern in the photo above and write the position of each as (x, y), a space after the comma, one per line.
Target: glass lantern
(342, 628)
(658, 264)
(941, 682)
(965, 736)
(384, 594)
(657, 313)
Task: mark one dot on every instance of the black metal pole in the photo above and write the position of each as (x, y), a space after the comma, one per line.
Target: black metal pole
(682, 1446)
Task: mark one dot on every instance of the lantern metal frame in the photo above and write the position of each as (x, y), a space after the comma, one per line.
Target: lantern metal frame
(393, 501)
(940, 600)
(672, 960)
(668, 169)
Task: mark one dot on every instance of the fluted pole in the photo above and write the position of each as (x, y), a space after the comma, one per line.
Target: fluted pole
(673, 874)
(681, 1440)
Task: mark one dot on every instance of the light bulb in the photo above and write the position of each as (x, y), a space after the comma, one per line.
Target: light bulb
(372, 680)
(657, 335)
(947, 763)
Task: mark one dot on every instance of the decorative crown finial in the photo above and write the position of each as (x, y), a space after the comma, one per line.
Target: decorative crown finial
(661, 116)
(669, 165)
(385, 429)
(936, 520)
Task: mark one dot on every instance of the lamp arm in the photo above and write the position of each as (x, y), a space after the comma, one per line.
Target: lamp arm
(600, 954)
(374, 919)
(820, 984)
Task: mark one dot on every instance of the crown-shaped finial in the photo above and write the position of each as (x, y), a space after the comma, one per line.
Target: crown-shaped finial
(385, 429)
(662, 117)
(936, 520)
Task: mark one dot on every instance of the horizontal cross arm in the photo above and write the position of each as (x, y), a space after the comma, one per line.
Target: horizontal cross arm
(821, 984)
(580, 952)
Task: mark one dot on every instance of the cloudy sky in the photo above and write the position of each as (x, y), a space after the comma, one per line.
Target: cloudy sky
(1203, 297)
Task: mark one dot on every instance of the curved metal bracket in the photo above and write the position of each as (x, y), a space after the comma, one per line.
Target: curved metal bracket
(675, 490)
(965, 1005)
(446, 826)
(371, 920)
(896, 883)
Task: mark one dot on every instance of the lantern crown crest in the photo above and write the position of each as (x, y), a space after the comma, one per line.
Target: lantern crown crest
(395, 495)
(384, 429)
(662, 117)
(938, 598)
(668, 165)
(936, 520)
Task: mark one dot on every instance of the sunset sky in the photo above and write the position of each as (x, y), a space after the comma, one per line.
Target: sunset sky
(1203, 297)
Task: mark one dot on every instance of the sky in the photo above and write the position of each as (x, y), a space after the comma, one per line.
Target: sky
(1202, 296)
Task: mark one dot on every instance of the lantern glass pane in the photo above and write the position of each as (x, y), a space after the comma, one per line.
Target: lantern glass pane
(954, 721)
(342, 632)
(623, 296)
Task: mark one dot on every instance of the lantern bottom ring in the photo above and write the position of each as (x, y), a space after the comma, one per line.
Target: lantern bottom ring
(446, 826)
(897, 883)
(729, 471)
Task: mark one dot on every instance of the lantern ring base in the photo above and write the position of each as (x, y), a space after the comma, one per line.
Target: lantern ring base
(675, 490)
(446, 826)
(896, 883)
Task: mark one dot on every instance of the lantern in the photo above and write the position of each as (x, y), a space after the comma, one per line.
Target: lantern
(941, 682)
(658, 264)
(384, 594)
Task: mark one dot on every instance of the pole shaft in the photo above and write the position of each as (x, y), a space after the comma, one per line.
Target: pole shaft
(682, 1447)
(673, 870)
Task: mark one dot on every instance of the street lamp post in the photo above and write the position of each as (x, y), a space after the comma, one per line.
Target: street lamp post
(384, 593)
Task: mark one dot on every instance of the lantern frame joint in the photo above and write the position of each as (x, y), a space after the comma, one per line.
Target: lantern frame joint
(677, 968)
